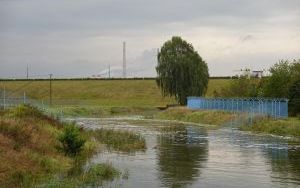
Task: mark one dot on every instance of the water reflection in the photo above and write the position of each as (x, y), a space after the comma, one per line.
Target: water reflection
(181, 156)
(285, 164)
(193, 157)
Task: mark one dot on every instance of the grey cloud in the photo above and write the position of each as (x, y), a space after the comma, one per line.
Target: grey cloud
(77, 38)
(106, 16)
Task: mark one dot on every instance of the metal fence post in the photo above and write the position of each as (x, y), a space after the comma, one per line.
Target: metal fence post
(24, 98)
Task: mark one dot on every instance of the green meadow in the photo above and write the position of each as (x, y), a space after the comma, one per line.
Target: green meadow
(130, 93)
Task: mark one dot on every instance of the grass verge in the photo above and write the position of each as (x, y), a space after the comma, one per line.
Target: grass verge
(212, 119)
(282, 127)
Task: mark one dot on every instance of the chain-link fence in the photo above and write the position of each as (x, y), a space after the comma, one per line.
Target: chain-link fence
(276, 108)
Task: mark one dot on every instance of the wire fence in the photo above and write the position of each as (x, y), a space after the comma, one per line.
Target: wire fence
(276, 108)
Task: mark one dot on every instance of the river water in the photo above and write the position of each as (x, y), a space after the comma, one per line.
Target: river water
(196, 157)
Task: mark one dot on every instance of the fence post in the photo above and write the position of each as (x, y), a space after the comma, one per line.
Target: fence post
(275, 109)
(279, 109)
(24, 98)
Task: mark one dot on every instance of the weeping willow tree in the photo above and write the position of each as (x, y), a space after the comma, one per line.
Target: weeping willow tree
(181, 71)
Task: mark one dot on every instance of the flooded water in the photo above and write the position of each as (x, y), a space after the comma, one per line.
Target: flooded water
(195, 157)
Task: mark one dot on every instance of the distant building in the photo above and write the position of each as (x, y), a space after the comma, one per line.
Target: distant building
(257, 74)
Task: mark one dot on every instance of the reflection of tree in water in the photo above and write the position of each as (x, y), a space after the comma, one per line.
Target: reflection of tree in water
(285, 164)
(180, 156)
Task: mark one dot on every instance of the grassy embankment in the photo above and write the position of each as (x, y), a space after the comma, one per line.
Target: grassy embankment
(109, 93)
(100, 98)
(30, 155)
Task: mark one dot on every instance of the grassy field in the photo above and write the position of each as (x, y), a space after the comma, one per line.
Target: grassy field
(99, 92)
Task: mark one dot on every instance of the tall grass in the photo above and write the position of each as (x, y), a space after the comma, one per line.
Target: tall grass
(29, 151)
(27, 145)
(283, 127)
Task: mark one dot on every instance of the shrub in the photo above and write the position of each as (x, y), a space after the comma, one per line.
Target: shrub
(71, 140)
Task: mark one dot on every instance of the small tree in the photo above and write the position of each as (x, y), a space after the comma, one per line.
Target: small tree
(283, 75)
(181, 71)
(71, 140)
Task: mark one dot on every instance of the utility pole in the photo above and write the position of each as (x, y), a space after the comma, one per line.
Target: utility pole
(50, 88)
(109, 71)
(27, 72)
(124, 59)
(24, 98)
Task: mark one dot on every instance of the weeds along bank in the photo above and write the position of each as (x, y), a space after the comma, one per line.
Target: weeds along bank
(211, 119)
(36, 148)
(283, 127)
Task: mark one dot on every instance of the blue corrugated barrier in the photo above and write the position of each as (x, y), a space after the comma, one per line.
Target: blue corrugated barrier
(276, 108)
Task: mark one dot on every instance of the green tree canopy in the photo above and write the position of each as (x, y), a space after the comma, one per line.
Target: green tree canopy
(283, 75)
(181, 71)
(294, 99)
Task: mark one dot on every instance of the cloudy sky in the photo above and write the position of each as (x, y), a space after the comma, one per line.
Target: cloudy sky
(82, 38)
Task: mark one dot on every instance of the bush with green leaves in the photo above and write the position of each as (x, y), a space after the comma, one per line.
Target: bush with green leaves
(283, 75)
(71, 140)
(242, 87)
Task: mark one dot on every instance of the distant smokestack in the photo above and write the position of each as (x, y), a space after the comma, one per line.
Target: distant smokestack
(124, 59)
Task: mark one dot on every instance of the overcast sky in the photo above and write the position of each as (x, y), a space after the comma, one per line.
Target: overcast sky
(82, 38)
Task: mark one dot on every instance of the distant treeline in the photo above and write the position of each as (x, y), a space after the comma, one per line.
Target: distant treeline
(76, 79)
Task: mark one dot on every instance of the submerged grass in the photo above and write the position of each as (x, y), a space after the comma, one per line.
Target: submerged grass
(93, 176)
(282, 127)
(123, 141)
(172, 128)
(100, 111)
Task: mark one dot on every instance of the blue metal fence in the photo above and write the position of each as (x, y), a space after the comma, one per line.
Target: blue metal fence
(277, 108)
